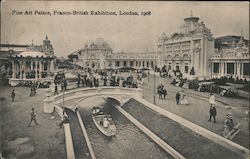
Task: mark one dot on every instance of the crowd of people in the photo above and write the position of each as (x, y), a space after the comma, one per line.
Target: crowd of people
(90, 79)
(37, 84)
(162, 91)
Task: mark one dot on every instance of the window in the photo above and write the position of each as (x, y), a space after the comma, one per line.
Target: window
(216, 67)
(169, 66)
(124, 63)
(117, 63)
(177, 68)
(186, 69)
(110, 64)
(152, 64)
(147, 63)
(230, 68)
(131, 63)
(246, 69)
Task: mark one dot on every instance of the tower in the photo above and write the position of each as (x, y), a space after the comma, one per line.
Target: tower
(47, 47)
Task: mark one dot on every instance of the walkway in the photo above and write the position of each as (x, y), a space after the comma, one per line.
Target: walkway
(197, 111)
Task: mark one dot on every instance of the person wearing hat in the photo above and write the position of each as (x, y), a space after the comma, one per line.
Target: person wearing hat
(212, 113)
(32, 117)
(228, 124)
(230, 121)
(212, 99)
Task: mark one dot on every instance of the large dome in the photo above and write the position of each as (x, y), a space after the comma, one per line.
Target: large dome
(32, 54)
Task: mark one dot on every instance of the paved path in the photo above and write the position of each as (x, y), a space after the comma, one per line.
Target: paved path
(47, 138)
(197, 111)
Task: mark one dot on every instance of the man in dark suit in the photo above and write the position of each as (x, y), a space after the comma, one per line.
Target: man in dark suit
(177, 96)
(212, 113)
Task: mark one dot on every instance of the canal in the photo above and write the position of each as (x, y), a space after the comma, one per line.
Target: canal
(129, 141)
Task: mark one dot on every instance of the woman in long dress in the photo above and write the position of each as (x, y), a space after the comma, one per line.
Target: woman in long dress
(184, 100)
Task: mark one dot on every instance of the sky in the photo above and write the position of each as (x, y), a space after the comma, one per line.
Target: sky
(69, 33)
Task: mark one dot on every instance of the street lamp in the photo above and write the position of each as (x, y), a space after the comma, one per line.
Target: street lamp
(210, 63)
(154, 84)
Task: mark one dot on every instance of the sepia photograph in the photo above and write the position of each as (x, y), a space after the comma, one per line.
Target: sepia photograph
(124, 80)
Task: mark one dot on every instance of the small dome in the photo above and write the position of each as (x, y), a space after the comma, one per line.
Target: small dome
(31, 54)
(163, 36)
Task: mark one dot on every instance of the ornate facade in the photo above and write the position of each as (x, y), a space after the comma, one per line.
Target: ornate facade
(231, 61)
(99, 55)
(189, 48)
(27, 62)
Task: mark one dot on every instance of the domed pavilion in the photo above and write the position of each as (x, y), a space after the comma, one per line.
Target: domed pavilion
(31, 65)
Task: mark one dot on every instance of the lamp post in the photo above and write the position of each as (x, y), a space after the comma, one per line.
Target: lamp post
(154, 84)
(211, 70)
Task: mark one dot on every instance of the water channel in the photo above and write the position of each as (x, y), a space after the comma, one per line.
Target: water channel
(129, 141)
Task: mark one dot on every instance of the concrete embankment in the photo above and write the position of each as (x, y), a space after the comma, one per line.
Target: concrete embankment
(68, 136)
(85, 134)
(185, 140)
(150, 134)
(80, 146)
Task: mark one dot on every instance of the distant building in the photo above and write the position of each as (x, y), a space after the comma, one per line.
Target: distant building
(191, 47)
(26, 62)
(99, 55)
(231, 58)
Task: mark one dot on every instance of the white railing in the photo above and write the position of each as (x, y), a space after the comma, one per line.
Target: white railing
(80, 93)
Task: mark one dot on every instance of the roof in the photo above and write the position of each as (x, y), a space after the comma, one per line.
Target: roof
(191, 18)
(32, 54)
(99, 44)
(13, 45)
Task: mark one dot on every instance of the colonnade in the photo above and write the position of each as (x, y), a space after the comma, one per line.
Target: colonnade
(225, 70)
(22, 66)
(134, 63)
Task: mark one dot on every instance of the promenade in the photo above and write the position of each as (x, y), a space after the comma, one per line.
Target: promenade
(198, 109)
(47, 138)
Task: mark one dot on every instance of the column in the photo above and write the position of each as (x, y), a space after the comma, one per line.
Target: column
(222, 69)
(212, 69)
(241, 71)
(20, 70)
(48, 66)
(31, 65)
(238, 69)
(24, 69)
(225, 68)
(52, 65)
(40, 70)
(235, 69)
(13, 69)
(42, 66)
(36, 69)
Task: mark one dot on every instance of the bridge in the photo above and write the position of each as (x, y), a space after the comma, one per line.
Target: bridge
(72, 97)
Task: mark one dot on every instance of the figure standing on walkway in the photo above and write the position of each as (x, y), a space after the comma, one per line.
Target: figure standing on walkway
(184, 100)
(228, 124)
(177, 97)
(212, 113)
(65, 84)
(32, 117)
(56, 90)
(212, 99)
(13, 95)
(164, 91)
